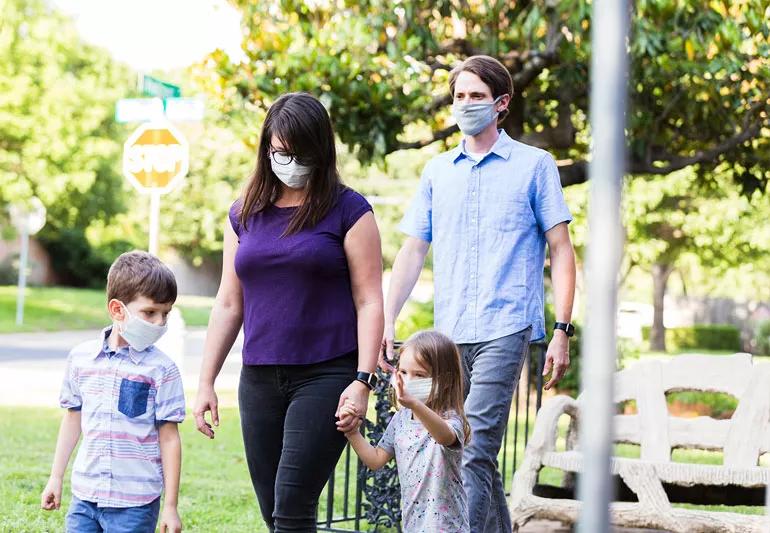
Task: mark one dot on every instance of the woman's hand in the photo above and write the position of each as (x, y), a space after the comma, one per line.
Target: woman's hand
(356, 398)
(206, 401)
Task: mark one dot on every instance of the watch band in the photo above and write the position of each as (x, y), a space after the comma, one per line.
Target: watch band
(566, 327)
(368, 379)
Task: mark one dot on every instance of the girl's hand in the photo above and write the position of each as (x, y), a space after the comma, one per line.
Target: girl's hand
(403, 397)
(355, 396)
(50, 499)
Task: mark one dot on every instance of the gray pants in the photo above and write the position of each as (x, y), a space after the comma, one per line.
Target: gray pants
(492, 370)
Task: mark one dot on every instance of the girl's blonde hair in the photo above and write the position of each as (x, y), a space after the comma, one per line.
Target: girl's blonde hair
(440, 356)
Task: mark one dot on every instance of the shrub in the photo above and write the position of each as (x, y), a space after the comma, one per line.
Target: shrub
(701, 336)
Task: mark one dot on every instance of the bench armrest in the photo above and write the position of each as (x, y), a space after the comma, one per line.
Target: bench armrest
(545, 433)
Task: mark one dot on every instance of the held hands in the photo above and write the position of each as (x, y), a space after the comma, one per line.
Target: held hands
(557, 358)
(352, 407)
(50, 499)
(349, 410)
(169, 521)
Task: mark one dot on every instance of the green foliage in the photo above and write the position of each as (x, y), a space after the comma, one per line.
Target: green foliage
(716, 404)
(699, 78)
(701, 336)
(417, 316)
(58, 138)
(762, 338)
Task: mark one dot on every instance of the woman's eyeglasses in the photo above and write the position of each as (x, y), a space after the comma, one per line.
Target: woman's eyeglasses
(282, 158)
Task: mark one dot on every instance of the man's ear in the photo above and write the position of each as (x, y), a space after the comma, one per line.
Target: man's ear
(503, 103)
(116, 310)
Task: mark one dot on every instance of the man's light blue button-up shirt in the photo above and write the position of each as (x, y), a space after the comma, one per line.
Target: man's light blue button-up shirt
(486, 221)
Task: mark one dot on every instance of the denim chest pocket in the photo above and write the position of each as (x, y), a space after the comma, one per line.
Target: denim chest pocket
(133, 397)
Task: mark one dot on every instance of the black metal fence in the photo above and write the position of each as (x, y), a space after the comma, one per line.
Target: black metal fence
(370, 501)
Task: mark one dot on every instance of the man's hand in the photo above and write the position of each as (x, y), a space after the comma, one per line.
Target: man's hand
(386, 351)
(50, 499)
(557, 358)
(169, 521)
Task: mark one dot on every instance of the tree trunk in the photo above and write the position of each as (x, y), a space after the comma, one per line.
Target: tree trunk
(660, 275)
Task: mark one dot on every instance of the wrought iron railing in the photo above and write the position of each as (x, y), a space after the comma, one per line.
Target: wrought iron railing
(370, 501)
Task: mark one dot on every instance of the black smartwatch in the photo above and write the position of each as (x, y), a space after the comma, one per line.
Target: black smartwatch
(566, 327)
(370, 380)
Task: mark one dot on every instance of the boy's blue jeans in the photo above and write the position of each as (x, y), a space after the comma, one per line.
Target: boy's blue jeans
(491, 371)
(86, 517)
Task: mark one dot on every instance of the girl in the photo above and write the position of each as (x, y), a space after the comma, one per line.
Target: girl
(426, 436)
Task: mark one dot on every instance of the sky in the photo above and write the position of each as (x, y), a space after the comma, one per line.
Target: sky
(157, 34)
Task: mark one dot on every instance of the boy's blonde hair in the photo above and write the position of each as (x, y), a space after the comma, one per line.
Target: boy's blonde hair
(135, 274)
(440, 356)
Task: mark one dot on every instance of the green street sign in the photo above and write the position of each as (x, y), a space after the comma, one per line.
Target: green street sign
(159, 88)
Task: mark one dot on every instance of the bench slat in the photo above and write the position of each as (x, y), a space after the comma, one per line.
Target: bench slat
(674, 473)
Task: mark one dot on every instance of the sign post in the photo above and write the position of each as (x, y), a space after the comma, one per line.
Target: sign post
(156, 157)
(28, 220)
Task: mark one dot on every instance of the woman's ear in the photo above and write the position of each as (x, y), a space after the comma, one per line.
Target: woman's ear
(116, 310)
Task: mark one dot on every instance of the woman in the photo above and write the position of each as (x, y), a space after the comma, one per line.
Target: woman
(302, 273)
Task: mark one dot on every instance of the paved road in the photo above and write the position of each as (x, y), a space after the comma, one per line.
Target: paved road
(32, 364)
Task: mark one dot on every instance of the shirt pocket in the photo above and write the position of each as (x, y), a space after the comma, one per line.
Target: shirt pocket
(517, 213)
(132, 401)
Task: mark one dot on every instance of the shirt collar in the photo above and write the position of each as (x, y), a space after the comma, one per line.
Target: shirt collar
(104, 348)
(502, 147)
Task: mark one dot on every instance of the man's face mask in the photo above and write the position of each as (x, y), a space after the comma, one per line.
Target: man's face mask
(473, 118)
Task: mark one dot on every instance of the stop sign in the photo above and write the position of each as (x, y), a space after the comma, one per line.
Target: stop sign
(156, 157)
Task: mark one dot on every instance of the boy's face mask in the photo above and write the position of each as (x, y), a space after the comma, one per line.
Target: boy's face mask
(138, 333)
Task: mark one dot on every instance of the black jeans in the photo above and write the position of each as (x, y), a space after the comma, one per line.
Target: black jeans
(292, 443)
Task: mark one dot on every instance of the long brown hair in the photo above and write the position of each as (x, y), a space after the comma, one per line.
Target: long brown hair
(440, 356)
(303, 126)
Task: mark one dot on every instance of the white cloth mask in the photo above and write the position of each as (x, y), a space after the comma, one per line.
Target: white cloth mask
(419, 388)
(138, 333)
(293, 174)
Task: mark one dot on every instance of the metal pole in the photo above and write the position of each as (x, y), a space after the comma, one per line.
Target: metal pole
(22, 274)
(608, 109)
(154, 216)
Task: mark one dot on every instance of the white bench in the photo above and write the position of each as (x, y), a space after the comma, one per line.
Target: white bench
(742, 439)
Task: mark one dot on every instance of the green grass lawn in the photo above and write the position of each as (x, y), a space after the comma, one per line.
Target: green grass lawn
(65, 308)
(216, 493)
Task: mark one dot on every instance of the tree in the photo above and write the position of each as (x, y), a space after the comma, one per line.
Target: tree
(58, 138)
(700, 75)
(678, 216)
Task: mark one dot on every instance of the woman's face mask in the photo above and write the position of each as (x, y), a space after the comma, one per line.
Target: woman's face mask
(289, 171)
(473, 118)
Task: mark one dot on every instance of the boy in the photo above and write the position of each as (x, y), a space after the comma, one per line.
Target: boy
(126, 397)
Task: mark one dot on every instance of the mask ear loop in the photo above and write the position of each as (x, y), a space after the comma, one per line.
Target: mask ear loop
(121, 327)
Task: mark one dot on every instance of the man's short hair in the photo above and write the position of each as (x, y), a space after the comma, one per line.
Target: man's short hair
(492, 73)
(136, 274)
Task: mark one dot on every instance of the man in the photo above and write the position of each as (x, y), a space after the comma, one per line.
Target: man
(488, 207)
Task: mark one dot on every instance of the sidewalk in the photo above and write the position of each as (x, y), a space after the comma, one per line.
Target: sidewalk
(32, 364)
